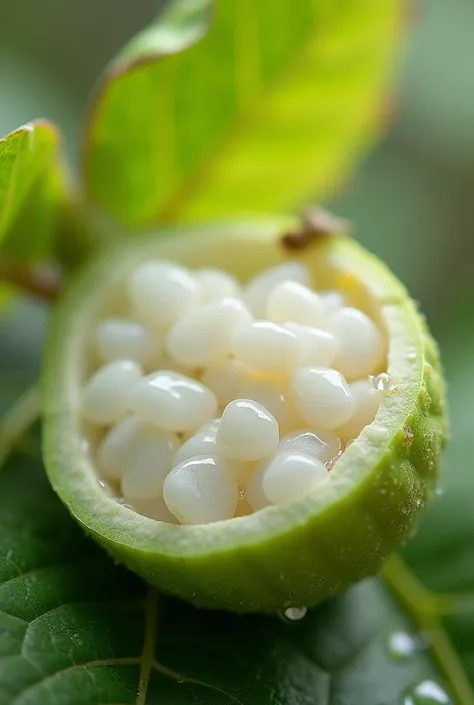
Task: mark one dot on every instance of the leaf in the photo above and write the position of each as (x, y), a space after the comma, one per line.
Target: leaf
(77, 630)
(30, 189)
(267, 109)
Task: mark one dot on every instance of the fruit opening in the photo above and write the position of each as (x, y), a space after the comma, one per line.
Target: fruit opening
(212, 387)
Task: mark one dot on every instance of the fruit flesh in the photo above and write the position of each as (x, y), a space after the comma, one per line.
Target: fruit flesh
(294, 554)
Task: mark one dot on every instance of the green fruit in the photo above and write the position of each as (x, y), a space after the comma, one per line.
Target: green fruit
(292, 555)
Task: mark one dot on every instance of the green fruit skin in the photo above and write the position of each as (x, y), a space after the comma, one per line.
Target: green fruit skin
(318, 557)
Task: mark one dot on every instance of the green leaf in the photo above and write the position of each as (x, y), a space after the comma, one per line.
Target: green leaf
(31, 189)
(268, 109)
(77, 630)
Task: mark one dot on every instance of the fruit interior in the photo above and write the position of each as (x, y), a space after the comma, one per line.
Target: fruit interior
(333, 265)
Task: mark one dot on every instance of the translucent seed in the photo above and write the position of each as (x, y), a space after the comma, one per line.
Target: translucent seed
(382, 382)
(120, 339)
(161, 292)
(292, 476)
(360, 343)
(121, 441)
(332, 301)
(203, 337)
(107, 392)
(367, 400)
(217, 284)
(148, 465)
(319, 347)
(247, 431)
(290, 301)
(322, 445)
(201, 490)
(258, 289)
(173, 402)
(255, 495)
(153, 509)
(203, 442)
(266, 347)
(226, 380)
(322, 397)
(274, 398)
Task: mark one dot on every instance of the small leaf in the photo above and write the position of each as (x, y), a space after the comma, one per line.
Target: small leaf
(30, 189)
(269, 108)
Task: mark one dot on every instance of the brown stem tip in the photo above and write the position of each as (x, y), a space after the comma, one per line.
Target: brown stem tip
(315, 223)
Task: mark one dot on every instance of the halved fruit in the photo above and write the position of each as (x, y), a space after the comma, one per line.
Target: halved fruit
(294, 553)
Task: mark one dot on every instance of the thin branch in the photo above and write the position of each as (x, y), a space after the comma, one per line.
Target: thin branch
(41, 280)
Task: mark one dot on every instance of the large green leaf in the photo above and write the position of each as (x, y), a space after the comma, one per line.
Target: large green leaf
(31, 189)
(269, 108)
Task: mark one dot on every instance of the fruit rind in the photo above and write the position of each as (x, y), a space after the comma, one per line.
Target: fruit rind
(298, 554)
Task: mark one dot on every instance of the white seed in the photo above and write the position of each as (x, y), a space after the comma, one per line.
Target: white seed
(107, 392)
(291, 476)
(319, 347)
(217, 284)
(173, 402)
(322, 397)
(258, 289)
(153, 508)
(247, 431)
(203, 337)
(266, 347)
(226, 380)
(322, 445)
(360, 344)
(122, 339)
(290, 301)
(149, 464)
(161, 292)
(255, 494)
(112, 453)
(276, 398)
(367, 401)
(332, 301)
(201, 490)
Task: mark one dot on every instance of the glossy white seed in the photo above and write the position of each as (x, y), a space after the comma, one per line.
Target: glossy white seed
(367, 401)
(290, 301)
(203, 442)
(247, 431)
(291, 476)
(118, 444)
(255, 494)
(173, 402)
(360, 343)
(152, 508)
(275, 397)
(322, 445)
(322, 397)
(203, 337)
(319, 347)
(217, 284)
(161, 292)
(149, 464)
(257, 290)
(332, 300)
(266, 347)
(107, 392)
(201, 490)
(122, 339)
(226, 380)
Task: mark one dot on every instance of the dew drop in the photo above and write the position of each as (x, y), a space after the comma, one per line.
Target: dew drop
(293, 614)
(427, 692)
(102, 484)
(242, 493)
(382, 382)
(401, 646)
(179, 678)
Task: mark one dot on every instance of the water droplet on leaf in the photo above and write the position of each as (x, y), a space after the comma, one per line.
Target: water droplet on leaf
(294, 614)
(382, 382)
(427, 692)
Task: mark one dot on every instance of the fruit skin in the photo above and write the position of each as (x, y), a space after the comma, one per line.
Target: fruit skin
(292, 555)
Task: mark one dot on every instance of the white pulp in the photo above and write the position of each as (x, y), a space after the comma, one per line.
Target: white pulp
(201, 490)
(254, 390)
(173, 402)
(247, 431)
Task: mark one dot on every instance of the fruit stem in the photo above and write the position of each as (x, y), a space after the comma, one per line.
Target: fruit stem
(42, 280)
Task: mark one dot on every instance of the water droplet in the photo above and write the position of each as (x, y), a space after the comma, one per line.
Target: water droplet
(401, 646)
(330, 463)
(179, 678)
(427, 692)
(102, 484)
(242, 493)
(382, 382)
(294, 614)
(194, 595)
